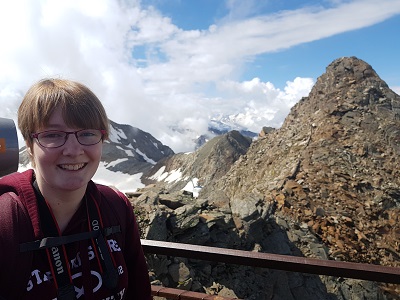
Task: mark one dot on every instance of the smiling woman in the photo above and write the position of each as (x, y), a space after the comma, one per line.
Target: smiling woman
(54, 218)
(155, 61)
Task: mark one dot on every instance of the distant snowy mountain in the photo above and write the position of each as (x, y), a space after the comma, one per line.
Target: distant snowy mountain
(224, 124)
(131, 150)
(220, 125)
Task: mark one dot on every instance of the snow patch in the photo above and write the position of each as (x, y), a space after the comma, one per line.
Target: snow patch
(169, 177)
(116, 135)
(149, 160)
(193, 187)
(114, 163)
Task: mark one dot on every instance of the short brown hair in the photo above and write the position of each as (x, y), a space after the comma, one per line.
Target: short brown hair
(79, 105)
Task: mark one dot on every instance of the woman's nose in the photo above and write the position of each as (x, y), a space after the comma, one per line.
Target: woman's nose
(72, 145)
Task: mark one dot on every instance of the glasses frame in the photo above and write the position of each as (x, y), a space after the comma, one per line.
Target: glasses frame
(35, 135)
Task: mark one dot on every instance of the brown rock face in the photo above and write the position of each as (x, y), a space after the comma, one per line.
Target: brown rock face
(334, 165)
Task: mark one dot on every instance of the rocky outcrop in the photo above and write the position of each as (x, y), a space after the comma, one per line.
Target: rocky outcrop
(324, 185)
(332, 168)
(334, 164)
(178, 217)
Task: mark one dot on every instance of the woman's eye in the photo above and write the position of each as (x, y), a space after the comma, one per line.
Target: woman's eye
(52, 135)
(86, 133)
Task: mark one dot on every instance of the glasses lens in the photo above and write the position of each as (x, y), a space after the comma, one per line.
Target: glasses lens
(51, 139)
(89, 136)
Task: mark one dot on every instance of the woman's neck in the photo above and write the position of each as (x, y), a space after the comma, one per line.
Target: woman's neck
(63, 204)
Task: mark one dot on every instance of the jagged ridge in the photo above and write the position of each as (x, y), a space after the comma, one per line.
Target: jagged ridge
(325, 184)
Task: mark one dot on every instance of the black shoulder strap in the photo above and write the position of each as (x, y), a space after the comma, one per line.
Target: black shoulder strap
(57, 254)
(110, 273)
(49, 242)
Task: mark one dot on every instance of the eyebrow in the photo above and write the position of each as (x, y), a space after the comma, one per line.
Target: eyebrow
(53, 127)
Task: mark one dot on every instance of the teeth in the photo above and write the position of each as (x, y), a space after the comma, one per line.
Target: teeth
(72, 167)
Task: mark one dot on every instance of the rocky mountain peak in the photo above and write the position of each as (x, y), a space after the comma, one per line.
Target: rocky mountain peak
(333, 167)
(349, 84)
(345, 72)
(324, 185)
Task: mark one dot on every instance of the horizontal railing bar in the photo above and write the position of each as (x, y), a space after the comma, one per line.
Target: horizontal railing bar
(171, 293)
(275, 261)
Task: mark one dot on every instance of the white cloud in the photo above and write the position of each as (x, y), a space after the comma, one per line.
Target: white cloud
(154, 75)
(262, 103)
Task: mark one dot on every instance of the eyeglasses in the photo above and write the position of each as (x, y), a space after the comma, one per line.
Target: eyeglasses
(57, 138)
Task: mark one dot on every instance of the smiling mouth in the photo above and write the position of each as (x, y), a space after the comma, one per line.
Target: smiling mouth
(72, 167)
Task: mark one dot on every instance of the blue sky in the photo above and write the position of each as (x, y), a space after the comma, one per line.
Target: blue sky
(377, 44)
(163, 65)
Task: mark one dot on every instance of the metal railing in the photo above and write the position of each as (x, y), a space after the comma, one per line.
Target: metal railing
(170, 293)
(272, 261)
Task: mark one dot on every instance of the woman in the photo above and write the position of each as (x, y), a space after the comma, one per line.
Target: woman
(61, 235)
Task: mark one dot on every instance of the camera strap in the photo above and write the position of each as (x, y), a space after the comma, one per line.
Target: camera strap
(54, 244)
(107, 263)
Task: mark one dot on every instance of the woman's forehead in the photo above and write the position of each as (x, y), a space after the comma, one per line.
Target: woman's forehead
(59, 120)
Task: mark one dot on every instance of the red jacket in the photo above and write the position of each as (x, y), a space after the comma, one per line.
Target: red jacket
(27, 275)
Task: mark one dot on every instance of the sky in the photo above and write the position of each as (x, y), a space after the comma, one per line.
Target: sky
(169, 66)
